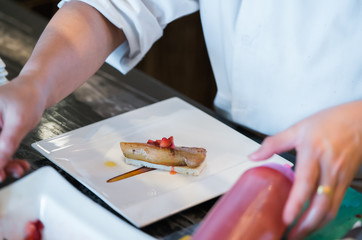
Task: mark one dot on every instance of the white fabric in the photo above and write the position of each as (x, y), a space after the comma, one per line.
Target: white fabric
(275, 62)
(141, 21)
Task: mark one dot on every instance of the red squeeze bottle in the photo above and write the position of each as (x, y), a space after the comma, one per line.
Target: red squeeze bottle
(252, 208)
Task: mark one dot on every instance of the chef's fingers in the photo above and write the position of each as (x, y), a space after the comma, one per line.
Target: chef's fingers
(14, 169)
(278, 143)
(337, 200)
(342, 185)
(320, 204)
(306, 177)
(23, 163)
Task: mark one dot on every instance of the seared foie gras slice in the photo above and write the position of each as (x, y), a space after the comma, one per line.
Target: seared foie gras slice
(191, 157)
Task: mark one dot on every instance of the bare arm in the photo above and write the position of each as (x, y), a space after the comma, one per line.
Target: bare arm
(73, 46)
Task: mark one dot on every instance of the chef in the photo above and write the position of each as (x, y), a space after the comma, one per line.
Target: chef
(287, 69)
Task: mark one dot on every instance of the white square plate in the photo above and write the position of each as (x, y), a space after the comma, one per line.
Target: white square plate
(151, 196)
(65, 212)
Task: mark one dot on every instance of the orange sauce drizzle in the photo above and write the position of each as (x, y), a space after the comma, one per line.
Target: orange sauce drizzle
(172, 172)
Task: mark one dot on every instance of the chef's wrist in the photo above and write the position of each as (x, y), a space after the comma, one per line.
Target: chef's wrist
(35, 86)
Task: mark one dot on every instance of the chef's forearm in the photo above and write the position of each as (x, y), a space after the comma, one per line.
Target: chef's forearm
(73, 46)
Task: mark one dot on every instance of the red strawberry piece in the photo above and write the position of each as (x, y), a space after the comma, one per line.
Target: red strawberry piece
(165, 143)
(33, 230)
(172, 143)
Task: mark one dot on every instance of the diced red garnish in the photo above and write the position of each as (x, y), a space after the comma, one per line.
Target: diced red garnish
(163, 143)
(172, 143)
(151, 142)
(33, 230)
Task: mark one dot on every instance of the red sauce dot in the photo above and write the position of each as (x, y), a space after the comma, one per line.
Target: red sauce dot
(358, 216)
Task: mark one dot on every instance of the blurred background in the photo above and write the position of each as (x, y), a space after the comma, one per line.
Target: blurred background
(179, 59)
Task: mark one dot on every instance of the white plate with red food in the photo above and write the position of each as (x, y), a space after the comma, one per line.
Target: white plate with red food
(44, 201)
(92, 155)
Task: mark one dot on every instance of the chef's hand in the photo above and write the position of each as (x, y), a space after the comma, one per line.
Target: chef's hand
(84, 38)
(21, 108)
(329, 153)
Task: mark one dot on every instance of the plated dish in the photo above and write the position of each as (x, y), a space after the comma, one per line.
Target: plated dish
(86, 154)
(65, 212)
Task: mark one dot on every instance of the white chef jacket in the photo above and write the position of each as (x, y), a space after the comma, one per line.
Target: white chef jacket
(275, 62)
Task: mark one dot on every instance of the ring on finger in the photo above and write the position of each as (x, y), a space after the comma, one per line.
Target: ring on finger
(324, 189)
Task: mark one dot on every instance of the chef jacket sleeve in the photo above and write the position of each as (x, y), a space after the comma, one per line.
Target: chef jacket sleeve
(142, 22)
